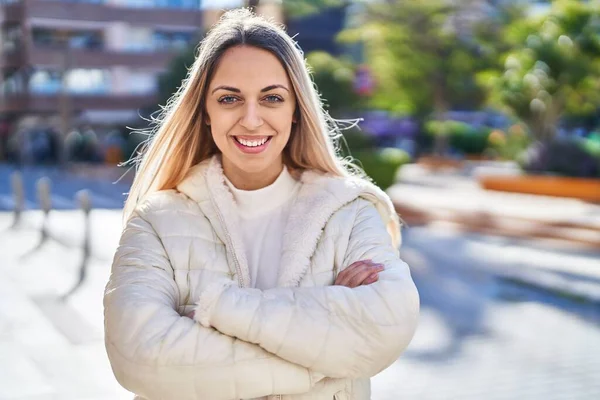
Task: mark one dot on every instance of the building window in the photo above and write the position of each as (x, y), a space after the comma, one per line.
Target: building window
(14, 83)
(52, 38)
(139, 40)
(87, 81)
(77, 81)
(11, 38)
(168, 41)
(144, 83)
(45, 82)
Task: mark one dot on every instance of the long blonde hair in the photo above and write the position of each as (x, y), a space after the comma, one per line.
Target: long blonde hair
(180, 139)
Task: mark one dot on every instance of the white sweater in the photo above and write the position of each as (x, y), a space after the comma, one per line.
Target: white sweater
(263, 215)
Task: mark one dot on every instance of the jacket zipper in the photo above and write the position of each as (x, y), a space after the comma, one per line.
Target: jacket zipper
(230, 243)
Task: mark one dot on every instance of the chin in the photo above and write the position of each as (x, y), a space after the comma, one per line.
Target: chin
(254, 164)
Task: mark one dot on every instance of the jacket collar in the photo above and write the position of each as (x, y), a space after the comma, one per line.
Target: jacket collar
(320, 196)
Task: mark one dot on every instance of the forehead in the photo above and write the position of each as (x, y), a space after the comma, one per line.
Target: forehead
(246, 67)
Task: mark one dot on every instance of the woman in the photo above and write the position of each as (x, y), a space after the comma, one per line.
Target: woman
(252, 264)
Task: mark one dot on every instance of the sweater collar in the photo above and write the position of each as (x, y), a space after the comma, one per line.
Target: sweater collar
(318, 198)
(253, 203)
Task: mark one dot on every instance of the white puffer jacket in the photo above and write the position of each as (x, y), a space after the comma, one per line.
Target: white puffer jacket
(305, 339)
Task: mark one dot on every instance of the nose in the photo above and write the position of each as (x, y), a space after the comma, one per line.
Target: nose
(251, 120)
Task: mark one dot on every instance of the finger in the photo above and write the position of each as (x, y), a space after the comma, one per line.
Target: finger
(345, 275)
(371, 279)
(359, 278)
(362, 274)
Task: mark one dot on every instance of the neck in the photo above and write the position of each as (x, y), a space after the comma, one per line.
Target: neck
(245, 180)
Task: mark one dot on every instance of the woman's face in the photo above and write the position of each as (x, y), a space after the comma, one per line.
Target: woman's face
(250, 105)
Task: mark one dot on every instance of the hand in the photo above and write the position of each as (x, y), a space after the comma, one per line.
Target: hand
(362, 272)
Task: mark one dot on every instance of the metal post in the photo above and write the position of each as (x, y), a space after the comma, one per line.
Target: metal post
(44, 198)
(16, 180)
(85, 203)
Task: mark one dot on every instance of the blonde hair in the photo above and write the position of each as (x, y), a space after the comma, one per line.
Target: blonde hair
(180, 139)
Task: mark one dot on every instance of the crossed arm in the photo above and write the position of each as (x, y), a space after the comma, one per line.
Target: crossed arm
(156, 353)
(252, 343)
(338, 331)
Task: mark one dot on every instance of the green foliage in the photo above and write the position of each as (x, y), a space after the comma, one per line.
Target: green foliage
(171, 80)
(510, 145)
(379, 164)
(591, 144)
(334, 79)
(461, 136)
(418, 57)
(353, 141)
(382, 165)
(552, 69)
(299, 8)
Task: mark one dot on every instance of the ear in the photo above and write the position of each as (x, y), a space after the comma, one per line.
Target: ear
(207, 120)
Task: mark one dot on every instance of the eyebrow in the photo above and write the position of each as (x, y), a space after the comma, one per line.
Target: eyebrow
(236, 90)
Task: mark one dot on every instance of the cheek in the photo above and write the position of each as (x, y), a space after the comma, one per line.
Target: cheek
(220, 124)
(282, 122)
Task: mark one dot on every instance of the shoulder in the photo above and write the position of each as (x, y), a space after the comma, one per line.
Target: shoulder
(168, 208)
(357, 211)
(164, 201)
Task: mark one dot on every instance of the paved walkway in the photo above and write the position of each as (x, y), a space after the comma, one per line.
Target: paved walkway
(50, 348)
(104, 192)
(480, 335)
(453, 200)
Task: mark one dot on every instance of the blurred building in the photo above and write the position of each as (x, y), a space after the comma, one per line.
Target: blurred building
(87, 62)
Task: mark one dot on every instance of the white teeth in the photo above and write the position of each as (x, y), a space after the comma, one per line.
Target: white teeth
(252, 143)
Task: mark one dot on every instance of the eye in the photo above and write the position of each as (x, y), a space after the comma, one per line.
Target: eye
(273, 98)
(227, 100)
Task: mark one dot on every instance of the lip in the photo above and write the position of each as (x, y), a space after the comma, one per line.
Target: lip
(252, 150)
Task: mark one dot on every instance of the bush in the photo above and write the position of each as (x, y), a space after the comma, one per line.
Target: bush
(461, 136)
(334, 79)
(354, 141)
(510, 145)
(565, 157)
(382, 165)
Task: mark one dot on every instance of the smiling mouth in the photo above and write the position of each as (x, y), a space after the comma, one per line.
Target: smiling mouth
(250, 143)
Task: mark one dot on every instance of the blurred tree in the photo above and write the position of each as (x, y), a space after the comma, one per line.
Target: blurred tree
(171, 80)
(297, 8)
(334, 79)
(423, 57)
(553, 67)
(420, 55)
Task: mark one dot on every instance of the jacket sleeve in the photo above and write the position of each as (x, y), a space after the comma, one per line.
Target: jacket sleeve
(158, 354)
(334, 330)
